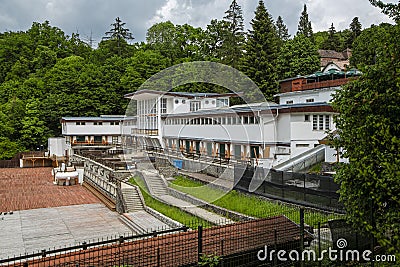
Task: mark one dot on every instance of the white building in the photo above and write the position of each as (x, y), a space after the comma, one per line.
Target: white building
(196, 124)
(153, 105)
(106, 131)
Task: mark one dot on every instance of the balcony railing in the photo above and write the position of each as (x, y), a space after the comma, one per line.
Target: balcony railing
(150, 132)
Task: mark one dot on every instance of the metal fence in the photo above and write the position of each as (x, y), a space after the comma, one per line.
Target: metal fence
(247, 243)
(311, 190)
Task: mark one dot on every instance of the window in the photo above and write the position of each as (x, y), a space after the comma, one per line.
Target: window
(183, 101)
(213, 102)
(115, 140)
(176, 101)
(207, 102)
(306, 117)
(223, 120)
(80, 138)
(163, 107)
(321, 122)
(327, 122)
(315, 122)
(302, 145)
(80, 123)
(310, 100)
(245, 120)
(195, 105)
(251, 120)
(222, 102)
(289, 101)
(98, 123)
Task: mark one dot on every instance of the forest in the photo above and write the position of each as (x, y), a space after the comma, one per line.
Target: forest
(46, 74)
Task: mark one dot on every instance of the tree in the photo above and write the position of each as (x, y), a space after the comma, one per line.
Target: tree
(232, 47)
(215, 35)
(261, 53)
(119, 34)
(8, 148)
(356, 29)
(304, 26)
(369, 132)
(369, 46)
(34, 130)
(333, 42)
(282, 30)
(392, 10)
(298, 56)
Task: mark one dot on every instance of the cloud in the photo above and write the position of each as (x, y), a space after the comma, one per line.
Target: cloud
(95, 16)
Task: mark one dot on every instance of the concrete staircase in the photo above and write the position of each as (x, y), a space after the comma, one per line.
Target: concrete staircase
(155, 183)
(132, 199)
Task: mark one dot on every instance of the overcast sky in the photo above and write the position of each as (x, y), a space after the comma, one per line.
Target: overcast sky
(95, 16)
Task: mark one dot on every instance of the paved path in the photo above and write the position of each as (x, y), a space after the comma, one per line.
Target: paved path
(29, 231)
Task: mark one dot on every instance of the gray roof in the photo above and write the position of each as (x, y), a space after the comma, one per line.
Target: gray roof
(101, 118)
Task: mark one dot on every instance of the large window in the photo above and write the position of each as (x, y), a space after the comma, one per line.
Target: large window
(163, 105)
(195, 105)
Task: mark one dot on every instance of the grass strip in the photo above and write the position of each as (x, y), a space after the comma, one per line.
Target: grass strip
(246, 204)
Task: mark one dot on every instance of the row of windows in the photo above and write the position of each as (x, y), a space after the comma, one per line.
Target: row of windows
(213, 121)
(309, 100)
(320, 122)
(97, 123)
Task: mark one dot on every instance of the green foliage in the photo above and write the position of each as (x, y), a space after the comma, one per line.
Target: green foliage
(232, 47)
(282, 30)
(369, 128)
(34, 131)
(246, 204)
(304, 26)
(355, 29)
(298, 56)
(390, 9)
(117, 37)
(369, 46)
(333, 41)
(261, 47)
(8, 149)
(209, 260)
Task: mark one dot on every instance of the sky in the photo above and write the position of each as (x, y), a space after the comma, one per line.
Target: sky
(92, 18)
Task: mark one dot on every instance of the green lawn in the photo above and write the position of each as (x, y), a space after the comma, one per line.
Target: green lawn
(169, 211)
(250, 205)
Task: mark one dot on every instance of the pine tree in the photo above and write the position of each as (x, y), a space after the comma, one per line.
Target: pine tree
(259, 61)
(282, 30)
(333, 42)
(232, 47)
(355, 29)
(304, 26)
(119, 34)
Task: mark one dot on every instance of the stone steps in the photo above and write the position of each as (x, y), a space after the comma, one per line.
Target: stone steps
(132, 199)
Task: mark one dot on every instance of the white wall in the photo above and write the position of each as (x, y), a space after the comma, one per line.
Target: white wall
(319, 95)
(70, 128)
